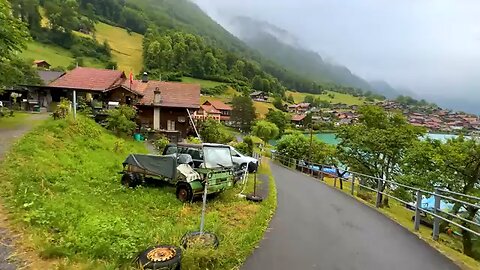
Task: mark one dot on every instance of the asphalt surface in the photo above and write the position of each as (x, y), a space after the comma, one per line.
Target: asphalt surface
(317, 227)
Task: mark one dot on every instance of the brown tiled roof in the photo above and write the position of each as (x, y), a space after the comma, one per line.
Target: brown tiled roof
(210, 109)
(90, 79)
(298, 117)
(36, 62)
(173, 94)
(218, 105)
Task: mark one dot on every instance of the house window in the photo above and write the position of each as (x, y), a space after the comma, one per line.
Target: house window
(170, 125)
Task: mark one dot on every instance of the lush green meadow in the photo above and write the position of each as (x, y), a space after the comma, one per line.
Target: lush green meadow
(72, 211)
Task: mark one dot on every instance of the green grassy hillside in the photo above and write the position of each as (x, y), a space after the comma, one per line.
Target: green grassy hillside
(203, 83)
(68, 199)
(126, 48)
(55, 55)
(337, 97)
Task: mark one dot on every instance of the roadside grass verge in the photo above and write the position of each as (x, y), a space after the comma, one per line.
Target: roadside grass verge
(450, 246)
(61, 188)
(18, 119)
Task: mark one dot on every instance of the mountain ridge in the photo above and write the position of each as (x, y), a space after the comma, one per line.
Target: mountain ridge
(264, 36)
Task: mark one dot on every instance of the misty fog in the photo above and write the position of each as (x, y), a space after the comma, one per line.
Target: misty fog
(431, 47)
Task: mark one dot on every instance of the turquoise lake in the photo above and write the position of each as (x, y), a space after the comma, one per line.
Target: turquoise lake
(329, 138)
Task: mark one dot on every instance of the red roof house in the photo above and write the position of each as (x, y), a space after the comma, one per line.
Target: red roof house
(225, 110)
(161, 105)
(41, 64)
(297, 119)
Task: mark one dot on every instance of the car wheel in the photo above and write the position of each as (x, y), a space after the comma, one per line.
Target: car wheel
(160, 257)
(130, 180)
(243, 167)
(184, 192)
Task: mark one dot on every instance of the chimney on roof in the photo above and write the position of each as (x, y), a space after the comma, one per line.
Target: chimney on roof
(145, 77)
(157, 98)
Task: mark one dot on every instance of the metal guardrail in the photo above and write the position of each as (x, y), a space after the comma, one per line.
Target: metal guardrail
(361, 180)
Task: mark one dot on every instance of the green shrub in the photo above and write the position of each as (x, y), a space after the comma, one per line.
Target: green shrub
(121, 120)
(194, 140)
(213, 131)
(160, 142)
(62, 109)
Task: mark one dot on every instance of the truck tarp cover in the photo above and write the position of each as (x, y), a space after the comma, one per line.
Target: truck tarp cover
(155, 165)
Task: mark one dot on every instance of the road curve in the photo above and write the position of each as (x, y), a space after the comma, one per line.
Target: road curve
(317, 227)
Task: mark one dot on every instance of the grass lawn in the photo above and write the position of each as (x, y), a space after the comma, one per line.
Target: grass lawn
(262, 108)
(13, 122)
(126, 48)
(203, 83)
(450, 246)
(338, 97)
(55, 55)
(71, 211)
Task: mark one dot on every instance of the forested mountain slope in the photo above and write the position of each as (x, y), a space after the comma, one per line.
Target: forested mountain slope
(284, 48)
(179, 38)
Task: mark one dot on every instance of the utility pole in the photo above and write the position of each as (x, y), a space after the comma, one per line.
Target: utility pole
(74, 104)
(311, 143)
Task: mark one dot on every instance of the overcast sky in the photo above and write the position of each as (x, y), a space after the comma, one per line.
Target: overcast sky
(431, 47)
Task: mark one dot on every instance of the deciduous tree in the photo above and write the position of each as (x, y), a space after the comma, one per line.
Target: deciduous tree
(265, 130)
(378, 143)
(279, 118)
(454, 166)
(243, 112)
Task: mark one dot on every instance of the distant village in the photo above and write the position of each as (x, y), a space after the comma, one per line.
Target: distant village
(59, 84)
(434, 119)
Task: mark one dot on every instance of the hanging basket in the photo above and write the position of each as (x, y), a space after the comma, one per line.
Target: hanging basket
(197, 239)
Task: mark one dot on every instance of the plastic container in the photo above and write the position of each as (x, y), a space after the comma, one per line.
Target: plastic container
(138, 137)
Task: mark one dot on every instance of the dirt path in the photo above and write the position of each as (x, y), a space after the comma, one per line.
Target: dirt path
(8, 136)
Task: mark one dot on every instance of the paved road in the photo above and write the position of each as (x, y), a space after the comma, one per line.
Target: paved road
(7, 137)
(317, 227)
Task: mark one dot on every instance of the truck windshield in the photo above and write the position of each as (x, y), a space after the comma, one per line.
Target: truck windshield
(217, 157)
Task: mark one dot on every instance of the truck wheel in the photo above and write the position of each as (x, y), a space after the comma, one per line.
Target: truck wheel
(130, 180)
(160, 257)
(184, 192)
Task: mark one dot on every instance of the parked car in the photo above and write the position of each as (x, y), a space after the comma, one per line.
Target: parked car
(244, 161)
(240, 161)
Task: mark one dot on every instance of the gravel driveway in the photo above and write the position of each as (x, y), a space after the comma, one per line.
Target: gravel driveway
(8, 136)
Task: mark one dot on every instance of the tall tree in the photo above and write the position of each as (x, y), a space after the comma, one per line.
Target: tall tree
(279, 118)
(13, 38)
(454, 166)
(13, 33)
(27, 10)
(265, 130)
(257, 83)
(62, 14)
(243, 112)
(299, 146)
(377, 144)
